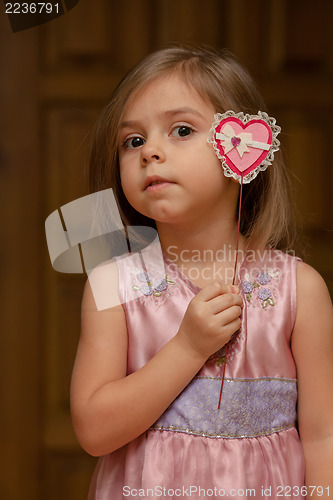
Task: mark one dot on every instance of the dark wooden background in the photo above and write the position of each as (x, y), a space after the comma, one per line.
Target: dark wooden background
(54, 80)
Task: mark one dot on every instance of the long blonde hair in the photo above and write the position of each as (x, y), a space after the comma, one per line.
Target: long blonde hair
(267, 215)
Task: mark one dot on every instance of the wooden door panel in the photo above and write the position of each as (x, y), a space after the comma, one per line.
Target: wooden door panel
(63, 74)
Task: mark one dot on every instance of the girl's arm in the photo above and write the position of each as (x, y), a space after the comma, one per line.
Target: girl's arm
(312, 346)
(109, 409)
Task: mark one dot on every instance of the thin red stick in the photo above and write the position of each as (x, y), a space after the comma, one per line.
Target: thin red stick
(233, 282)
(224, 364)
(238, 227)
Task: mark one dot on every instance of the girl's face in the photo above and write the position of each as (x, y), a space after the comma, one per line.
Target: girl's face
(168, 171)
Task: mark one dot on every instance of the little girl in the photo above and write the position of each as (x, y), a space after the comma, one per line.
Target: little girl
(148, 371)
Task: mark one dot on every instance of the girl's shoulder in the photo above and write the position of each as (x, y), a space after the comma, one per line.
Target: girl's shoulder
(102, 286)
(314, 312)
(311, 286)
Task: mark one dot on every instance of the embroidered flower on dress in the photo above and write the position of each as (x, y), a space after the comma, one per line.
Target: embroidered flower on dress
(264, 278)
(146, 289)
(161, 284)
(247, 286)
(144, 277)
(264, 294)
(152, 286)
(257, 293)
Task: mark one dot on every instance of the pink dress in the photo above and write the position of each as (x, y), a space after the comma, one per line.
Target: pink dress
(248, 447)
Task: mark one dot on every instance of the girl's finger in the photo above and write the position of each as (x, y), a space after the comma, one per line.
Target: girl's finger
(216, 289)
(223, 302)
(228, 316)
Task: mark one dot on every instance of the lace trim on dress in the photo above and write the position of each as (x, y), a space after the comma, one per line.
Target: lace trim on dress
(249, 408)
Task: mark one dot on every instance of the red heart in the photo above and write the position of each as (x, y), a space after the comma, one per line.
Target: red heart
(261, 132)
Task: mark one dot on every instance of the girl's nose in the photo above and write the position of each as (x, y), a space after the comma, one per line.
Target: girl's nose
(150, 152)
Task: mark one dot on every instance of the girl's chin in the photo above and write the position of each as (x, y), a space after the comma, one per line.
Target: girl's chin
(168, 213)
(164, 215)
(173, 219)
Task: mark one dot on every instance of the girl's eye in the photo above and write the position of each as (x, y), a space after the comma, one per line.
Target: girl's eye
(182, 131)
(133, 142)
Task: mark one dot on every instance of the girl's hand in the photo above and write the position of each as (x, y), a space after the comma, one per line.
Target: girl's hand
(211, 318)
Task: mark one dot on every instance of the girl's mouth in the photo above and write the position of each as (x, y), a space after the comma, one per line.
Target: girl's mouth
(158, 185)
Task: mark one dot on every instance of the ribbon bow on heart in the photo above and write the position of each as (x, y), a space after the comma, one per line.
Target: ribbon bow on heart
(230, 140)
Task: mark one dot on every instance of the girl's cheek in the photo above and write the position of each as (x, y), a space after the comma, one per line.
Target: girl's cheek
(122, 173)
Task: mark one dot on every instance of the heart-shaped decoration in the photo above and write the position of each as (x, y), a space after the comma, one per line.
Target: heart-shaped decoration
(244, 143)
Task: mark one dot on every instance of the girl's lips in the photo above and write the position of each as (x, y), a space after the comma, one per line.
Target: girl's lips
(155, 179)
(159, 186)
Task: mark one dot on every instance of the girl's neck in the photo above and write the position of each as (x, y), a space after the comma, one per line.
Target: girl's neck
(204, 254)
(197, 243)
